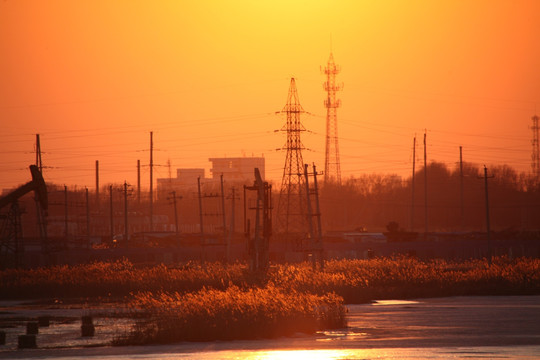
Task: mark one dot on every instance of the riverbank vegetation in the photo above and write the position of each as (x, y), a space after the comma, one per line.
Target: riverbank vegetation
(356, 281)
(234, 313)
(216, 301)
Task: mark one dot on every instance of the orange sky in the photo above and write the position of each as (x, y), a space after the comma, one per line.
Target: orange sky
(93, 78)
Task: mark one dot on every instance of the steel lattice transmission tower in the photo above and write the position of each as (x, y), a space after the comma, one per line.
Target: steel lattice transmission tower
(291, 212)
(535, 152)
(332, 169)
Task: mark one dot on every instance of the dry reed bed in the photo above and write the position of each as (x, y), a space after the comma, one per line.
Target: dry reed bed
(361, 281)
(355, 280)
(234, 313)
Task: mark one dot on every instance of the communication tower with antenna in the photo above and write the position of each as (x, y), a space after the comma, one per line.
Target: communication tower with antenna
(332, 168)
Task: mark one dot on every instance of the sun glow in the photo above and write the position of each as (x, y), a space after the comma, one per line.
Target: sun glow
(308, 354)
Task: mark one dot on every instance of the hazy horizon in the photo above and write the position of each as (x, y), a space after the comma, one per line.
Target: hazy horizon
(93, 79)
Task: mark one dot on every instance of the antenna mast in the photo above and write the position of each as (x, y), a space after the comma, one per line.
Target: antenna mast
(332, 169)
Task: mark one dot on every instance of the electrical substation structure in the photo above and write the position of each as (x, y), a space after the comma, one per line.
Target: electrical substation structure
(332, 168)
(291, 212)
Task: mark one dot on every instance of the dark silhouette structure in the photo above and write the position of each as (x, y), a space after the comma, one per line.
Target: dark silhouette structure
(291, 210)
(11, 226)
(332, 168)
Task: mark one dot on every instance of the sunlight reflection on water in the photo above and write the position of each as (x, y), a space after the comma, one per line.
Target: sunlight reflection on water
(395, 302)
(302, 355)
(516, 353)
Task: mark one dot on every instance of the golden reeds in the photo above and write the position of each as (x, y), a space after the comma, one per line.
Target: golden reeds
(234, 313)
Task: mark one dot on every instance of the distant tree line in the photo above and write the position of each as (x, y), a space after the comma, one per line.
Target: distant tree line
(366, 202)
(371, 201)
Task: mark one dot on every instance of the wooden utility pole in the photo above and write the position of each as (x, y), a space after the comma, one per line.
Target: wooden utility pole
(87, 220)
(126, 231)
(232, 226)
(111, 211)
(151, 181)
(139, 182)
(425, 190)
(223, 208)
(315, 237)
(173, 193)
(200, 208)
(40, 214)
(412, 182)
(318, 215)
(39, 163)
(97, 184)
(487, 213)
(245, 211)
(201, 219)
(66, 214)
(461, 188)
(310, 218)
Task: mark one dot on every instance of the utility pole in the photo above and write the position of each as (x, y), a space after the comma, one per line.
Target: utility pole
(223, 208)
(425, 190)
(310, 219)
(111, 218)
(232, 226)
(318, 215)
(40, 213)
(97, 184)
(412, 182)
(461, 188)
(126, 231)
(139, 182)
(316, 238)
(200, 208)
(87, 219)
(39, 163)
(536, 150)
(151, 181)
(66, 215)
(173, 193)
(487, 212)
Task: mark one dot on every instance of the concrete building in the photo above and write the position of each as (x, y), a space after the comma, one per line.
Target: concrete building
(237, 169)
(186, 180)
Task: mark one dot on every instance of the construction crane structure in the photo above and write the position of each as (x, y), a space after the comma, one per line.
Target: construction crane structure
(535, 164)
(291, 212)
(11, 246)
(332, 167)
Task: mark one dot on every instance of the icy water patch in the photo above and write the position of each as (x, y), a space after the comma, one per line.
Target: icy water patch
(504, 327)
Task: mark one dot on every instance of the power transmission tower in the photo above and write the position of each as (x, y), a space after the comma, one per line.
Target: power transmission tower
(292, 196)
(535, 152)
(332, 170)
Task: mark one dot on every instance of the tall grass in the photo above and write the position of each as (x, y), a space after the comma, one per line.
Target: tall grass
(360, 281)
(115, 279)
(234, 313)
(355, 280)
